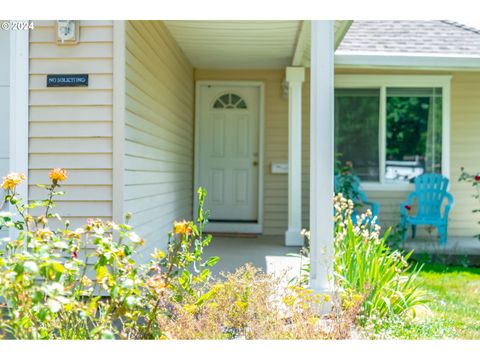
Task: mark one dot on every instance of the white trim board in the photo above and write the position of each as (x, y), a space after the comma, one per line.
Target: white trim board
(384, 81)
(407, 61)
(234, 227)
(118, 120)
(18, 152)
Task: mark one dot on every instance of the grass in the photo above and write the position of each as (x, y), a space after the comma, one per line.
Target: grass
(455, 307)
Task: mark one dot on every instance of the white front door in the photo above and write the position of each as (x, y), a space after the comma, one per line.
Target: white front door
(228, 151)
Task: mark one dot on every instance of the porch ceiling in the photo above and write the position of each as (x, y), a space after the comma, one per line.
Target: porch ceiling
(269, 44)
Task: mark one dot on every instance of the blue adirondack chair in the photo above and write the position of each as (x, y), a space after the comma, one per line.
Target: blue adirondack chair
(430, 192)
(355, 194)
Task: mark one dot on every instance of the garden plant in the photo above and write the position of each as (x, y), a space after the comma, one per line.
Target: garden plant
(366, 270)
(473, 179)
(85, 283)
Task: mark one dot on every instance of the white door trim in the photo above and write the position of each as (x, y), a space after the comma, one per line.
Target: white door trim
(18, 152)
(234, 227)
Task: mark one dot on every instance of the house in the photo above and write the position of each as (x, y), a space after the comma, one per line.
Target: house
(172, 105)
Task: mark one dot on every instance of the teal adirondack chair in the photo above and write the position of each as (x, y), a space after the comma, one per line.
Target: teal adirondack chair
(356, 195)
(430, 192)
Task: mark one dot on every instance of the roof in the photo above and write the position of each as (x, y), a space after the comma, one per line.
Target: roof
(432, 37)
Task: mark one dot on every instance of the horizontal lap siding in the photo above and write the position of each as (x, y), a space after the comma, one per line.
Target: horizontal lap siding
(72, 127)
(465, 150)
(158, 131)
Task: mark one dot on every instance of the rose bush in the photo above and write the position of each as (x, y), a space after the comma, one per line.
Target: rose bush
(84, 283)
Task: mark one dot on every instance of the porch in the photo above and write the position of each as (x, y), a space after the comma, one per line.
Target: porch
(247, 112)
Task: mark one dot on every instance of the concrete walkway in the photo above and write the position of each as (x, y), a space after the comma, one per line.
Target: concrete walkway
(235, 251)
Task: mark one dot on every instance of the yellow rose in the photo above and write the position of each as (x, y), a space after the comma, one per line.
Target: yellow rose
(12, 180)
(45, 234)
(57, 175)
(182, 227)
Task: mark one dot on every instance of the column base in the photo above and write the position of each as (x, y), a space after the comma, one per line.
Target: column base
(293, 238)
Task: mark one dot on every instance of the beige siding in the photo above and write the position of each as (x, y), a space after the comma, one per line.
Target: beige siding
(158, 131)
(72, 127)
(465, 147)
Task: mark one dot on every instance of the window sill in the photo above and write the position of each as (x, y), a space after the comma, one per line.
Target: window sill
(386, 187)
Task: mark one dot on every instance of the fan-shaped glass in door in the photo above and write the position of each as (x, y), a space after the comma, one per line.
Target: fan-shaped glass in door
(229, 101)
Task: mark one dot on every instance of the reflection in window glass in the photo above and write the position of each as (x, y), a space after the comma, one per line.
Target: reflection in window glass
(356, 130)
(413, 133)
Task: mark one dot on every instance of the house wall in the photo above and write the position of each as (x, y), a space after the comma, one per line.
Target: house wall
(72, 127)
(465, 127)
(158, 131)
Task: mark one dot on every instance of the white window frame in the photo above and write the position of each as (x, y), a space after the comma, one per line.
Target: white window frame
(383, 82)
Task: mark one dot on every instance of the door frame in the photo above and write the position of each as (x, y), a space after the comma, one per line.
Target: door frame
(233, 227)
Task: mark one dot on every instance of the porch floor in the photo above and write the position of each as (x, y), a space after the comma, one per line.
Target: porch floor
(236, 251)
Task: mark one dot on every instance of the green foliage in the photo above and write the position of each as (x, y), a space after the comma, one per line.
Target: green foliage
(85, 283)
(473, 179)
(365, 265)
(369, 273)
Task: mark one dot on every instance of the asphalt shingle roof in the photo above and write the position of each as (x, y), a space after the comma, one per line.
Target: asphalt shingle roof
(411, 36)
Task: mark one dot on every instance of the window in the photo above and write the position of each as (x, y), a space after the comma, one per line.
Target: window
(392, 129)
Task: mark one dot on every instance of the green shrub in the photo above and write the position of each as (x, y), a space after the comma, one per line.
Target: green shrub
(52, 286)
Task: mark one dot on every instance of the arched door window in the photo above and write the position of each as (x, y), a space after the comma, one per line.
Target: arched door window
(229, 101)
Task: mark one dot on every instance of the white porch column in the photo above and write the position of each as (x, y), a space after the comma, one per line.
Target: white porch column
(321, 156)
(295, 77)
